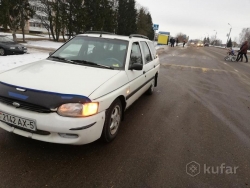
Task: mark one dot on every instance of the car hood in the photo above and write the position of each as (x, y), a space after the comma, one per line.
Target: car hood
(58, 77)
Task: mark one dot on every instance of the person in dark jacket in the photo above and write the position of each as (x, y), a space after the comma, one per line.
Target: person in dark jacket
(177, 41)
(172, 43)
(184, 42)
(243, 51)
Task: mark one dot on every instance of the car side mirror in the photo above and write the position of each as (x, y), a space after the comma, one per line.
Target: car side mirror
(136, 66)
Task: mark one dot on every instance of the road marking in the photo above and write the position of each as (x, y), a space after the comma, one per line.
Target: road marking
(225, 63)
(201, 68)
(236, 70)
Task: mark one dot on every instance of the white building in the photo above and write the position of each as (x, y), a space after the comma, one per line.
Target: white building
(35, 23)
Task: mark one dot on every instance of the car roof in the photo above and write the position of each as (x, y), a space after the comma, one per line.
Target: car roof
(132, 37)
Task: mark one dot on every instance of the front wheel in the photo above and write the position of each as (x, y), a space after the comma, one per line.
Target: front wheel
(227, 58)
(233, 58)
(112, 121)
(2, 52)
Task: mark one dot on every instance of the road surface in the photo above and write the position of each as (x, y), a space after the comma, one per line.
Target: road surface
(194, 131)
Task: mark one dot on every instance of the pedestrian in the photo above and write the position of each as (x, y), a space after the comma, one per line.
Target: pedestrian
(243, 51)
(184, 42)
(177, 41)
(171, 40)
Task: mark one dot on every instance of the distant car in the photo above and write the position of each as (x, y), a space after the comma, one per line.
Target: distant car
(199, 44)
(8, 46)
(206, 44)
(191, 44)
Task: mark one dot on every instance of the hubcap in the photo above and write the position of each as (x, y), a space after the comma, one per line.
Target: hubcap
(115, 119)
(1, 52)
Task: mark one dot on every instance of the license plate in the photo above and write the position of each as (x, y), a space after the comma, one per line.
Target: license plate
(24, 50)
(18, 121)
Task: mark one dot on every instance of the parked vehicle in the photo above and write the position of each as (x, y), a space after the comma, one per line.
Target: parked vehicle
(206, 44)
(80, 92)
(8, 46)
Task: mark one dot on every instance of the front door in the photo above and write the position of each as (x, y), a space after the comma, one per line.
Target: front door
(136, 77)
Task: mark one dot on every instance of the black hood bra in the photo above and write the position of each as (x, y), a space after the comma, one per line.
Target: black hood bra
(44, 99)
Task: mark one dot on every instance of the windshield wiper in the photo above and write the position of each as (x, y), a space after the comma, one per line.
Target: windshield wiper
(92, 63)
(61, 58)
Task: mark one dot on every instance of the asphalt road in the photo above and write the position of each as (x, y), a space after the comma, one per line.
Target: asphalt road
(199, 112)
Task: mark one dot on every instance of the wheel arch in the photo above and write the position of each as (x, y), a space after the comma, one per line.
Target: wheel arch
(156, 79)
(124, 104)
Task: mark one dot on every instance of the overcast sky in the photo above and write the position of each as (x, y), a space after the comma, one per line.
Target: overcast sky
(199, 18)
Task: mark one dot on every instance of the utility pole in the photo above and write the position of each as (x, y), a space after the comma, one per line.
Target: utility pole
(229, 33)
(215, 37)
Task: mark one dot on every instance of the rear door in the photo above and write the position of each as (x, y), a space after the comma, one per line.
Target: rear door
(149, 65)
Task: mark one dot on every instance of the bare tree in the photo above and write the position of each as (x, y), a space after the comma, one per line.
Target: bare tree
(44, 13)
(25, 14)
(48, 23)
(181, 37)
(245, 35)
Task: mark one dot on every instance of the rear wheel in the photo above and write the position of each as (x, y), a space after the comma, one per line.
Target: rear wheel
(2, 52)
(112, 121)
(150, 90)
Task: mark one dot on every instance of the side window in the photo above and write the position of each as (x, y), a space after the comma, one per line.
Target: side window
(147, 54)
(152, 48)
(136, 56)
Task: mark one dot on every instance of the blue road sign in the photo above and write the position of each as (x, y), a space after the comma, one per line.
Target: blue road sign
(155, 26)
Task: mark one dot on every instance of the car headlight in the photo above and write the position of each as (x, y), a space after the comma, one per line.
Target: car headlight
(12, 48)
(78, 109)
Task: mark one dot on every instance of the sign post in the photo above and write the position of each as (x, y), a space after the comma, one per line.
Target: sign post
(155, 27)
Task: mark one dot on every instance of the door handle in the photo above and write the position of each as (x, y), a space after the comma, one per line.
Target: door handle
(144, 72)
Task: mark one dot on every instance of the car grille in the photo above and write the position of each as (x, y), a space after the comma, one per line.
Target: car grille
(25, 105)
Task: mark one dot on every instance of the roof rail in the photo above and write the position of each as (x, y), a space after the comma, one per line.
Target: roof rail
(98, 32)
(137, 35)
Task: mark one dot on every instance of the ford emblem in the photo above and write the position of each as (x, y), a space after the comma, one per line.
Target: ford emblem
(16, 104)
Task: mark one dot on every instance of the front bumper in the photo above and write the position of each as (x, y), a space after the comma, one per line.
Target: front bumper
(58, 129)
(16, 51)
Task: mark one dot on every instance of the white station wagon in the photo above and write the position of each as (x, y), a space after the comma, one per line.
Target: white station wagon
(80, 92)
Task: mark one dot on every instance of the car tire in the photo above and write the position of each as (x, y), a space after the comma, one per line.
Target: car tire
(2, 52)
(150, 90)
(112, 121)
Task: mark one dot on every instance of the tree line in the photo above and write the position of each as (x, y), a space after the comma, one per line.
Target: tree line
(70, 17)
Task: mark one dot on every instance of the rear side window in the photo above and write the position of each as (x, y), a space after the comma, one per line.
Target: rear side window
(152, 48)
(147, 54)
(136, 56)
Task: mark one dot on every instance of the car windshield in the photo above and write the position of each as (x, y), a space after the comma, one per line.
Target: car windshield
(92, 50)
(5, 39)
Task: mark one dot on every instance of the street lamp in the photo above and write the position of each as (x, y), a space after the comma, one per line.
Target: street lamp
(215, 36)
(229, 33)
